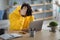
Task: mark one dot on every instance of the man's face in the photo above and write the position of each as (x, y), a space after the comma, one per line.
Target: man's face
(24, 10)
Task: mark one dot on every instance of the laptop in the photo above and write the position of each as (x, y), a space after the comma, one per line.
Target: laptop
(36, 24)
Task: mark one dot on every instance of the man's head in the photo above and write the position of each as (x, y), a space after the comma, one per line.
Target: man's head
(26, 9)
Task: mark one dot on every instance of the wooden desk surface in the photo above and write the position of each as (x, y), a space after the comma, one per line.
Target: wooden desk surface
(40, 35)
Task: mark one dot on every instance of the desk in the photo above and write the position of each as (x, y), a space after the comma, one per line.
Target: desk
(40, 35)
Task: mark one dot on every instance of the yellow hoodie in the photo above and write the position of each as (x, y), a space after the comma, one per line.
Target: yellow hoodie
(17, 22)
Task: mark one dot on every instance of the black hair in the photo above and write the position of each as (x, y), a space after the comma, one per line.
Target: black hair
(29, 10)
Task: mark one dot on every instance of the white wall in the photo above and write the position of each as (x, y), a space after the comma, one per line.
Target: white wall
(3, 4)
(56, 13)
(54, 9)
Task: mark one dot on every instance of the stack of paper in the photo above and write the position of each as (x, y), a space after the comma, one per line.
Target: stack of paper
(15, 35)
(10, 36)
(6, 36)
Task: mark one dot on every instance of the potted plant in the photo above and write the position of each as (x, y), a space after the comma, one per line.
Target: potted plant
(53, 26)
(14, 3)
